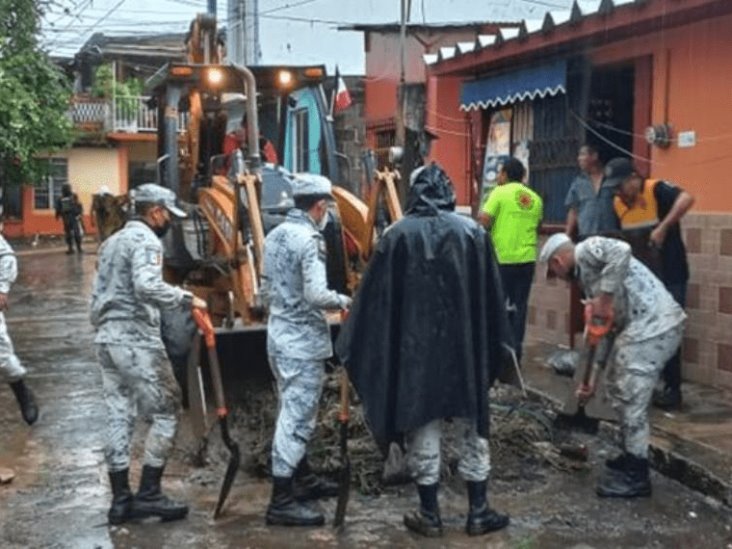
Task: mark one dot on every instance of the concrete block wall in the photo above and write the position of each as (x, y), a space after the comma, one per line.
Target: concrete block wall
(707, 347)
(350, 132)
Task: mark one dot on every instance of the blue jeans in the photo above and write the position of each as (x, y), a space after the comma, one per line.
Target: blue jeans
(516, 279)
(672, 370)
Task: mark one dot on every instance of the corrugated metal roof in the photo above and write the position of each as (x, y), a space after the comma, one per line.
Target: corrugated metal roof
(424, 27)
(552, 19)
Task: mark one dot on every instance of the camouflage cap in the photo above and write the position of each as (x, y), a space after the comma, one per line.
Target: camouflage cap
(304, 184)
(152, 192)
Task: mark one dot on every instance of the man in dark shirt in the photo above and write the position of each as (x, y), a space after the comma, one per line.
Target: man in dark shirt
(590, 199)
(649, 212)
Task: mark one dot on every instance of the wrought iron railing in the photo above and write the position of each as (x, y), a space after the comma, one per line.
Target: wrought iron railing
(128, 114)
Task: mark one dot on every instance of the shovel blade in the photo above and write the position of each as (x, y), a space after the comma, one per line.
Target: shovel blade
(344, 478)
(579, 421)
(344, 490)
(231, 469)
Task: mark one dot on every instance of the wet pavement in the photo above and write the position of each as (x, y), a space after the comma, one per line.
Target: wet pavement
(60, 494)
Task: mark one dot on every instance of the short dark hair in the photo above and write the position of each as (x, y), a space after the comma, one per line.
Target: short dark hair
(514, 169)
(591, 148)
(306, 201)
(141, 208)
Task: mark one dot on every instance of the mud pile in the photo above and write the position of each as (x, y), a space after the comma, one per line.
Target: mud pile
(523, 440)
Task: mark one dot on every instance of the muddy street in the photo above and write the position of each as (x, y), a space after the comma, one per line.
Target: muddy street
(60, 494)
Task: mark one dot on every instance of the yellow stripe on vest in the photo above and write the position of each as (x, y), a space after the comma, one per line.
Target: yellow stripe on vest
(644, 213)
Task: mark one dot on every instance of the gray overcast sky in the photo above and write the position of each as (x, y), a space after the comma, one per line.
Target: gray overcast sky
(291, 31)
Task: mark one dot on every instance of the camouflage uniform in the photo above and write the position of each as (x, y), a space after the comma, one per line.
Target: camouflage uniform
(294, 286)
(650, 327)
(129, 292)
(10, 367)
(423, 452)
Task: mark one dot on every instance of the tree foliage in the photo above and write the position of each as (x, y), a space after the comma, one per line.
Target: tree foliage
(34, 94)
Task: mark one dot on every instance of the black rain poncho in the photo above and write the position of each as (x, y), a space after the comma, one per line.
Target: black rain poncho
(423, 338)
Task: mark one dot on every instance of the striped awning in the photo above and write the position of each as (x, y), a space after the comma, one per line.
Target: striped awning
(528, 83)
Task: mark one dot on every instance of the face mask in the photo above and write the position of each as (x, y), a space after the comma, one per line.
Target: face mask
(160, 232)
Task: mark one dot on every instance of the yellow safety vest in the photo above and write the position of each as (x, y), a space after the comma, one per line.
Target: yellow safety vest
(644, 213)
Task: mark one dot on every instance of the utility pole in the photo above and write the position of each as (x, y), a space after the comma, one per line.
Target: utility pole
(401, 95)
(242, 32)
(400, 133)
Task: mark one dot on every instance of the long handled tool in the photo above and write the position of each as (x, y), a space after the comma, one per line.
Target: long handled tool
(574, 414)
(203, 320)
(344, 477)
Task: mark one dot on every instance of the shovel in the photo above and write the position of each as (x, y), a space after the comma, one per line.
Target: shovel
(574, 415)
(203, 320)
(344, 477)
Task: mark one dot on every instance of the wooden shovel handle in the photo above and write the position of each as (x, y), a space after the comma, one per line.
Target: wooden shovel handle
(343, 415)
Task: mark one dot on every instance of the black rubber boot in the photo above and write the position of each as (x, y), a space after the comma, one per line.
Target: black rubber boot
(632, 481)
(669, 399)
(308, 486)
(481, 518)
(121, 509)
(285, 510)
(26, 401)
(426, 520)
(617, 463)
(70, 251)
(150, 501)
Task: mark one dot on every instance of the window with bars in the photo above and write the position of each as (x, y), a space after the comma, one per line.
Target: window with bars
(55, 172)
(385, 139)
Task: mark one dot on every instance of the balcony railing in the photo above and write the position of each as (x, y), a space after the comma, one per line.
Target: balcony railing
(128, 114)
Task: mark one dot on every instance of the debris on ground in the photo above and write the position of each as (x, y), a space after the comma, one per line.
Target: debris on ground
(520, 430)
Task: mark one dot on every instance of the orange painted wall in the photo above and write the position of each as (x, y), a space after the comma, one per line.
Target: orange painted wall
(445, 119)
(88, 169)
(692, 90)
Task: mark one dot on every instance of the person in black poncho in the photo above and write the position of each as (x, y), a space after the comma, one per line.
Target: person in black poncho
(423, 342)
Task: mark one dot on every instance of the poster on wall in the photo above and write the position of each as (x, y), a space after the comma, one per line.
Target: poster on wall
(497, 148)
(521, 152)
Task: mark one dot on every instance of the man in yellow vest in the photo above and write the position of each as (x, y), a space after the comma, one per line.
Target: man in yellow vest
(649, 211)
(513, 213)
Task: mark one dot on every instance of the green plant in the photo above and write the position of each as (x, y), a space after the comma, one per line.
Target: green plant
(34, 94)
(125, 92)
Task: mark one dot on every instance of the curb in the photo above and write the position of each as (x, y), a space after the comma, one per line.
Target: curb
(667, 461)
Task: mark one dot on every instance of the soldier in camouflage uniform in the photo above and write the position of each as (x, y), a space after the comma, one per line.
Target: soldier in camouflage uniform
(68, 209)
(298, 342)
(129, 293)
(649, 325)
(11, 370)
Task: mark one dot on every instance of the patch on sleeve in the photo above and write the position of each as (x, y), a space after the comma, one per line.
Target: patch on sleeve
(153, 257)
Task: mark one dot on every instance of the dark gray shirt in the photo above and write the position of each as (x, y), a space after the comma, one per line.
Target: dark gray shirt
(595, 212)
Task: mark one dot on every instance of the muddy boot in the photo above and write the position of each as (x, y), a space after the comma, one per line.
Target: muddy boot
(308, 486)
(26, 401)
(121, 509)
(481, 518)
(426, 521)
(150, 501)
(285, 510)
(631, 481)
(669, 399)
